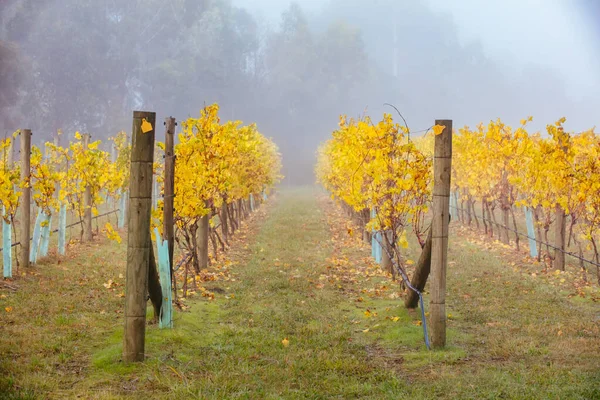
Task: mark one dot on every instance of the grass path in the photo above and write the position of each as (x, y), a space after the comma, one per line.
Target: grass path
(233, 348)
(301, 312)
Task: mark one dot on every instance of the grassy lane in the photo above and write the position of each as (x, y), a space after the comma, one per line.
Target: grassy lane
(277, 336)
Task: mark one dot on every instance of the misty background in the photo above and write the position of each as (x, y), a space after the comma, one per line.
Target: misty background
(293, 68)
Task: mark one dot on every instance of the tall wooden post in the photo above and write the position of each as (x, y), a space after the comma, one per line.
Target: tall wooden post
(439, 232)
(25, 218)
(559, 239)
(138, 235)
(169, 187)
(6, 225)
(87, 200)
(57, 186)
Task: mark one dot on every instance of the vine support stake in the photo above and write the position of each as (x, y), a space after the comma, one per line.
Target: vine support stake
(138, 235)
(169, 188)
(87, 200)
(26, 196)
(439, 227)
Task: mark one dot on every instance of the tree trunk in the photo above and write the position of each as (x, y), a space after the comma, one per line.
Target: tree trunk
(224, 223)
(240, 213)
(505, 221)
(571, 225)
(469, 215)
(419, 278)
(474, 213)
(232, 221)
(194, 247)
(386, 261)
(596, 259)
(559, 239)
(483, 218)
(490, 219)
(498, 228)
(213, 240)
(512, 211)
(536, 219)
(203, 233)
(154, 289)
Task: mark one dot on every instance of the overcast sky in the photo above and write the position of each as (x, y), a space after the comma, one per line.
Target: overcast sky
(560, 34)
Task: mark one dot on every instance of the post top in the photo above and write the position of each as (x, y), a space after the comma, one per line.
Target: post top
(143, 114)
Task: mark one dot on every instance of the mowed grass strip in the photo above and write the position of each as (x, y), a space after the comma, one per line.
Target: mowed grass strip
(275, 336)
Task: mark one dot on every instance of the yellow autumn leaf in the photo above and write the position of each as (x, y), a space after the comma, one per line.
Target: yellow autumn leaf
(111, 234)
(402, 240)
(8, 309)
(285, 342)
(438, 129)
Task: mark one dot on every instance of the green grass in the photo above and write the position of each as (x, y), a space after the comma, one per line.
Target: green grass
(299, 276)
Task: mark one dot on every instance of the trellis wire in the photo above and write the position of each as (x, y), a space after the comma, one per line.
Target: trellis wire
(530, 238)
(70, 226)
(411, 287)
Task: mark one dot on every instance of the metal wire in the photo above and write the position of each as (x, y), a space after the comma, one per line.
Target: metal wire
(530, 238)
(411, 287)
(68, 226)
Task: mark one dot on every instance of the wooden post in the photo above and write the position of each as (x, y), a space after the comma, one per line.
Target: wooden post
(138, 236)
(559, 239)
(365, 217)
(87, 200)
(25, 218)
(61, 240)
(439, 235)
(169, 188)
(6, 225)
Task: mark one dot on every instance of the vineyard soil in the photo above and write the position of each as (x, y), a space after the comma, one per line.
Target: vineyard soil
(300, 312)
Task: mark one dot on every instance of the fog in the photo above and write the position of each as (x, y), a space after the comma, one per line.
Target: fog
(293, 68)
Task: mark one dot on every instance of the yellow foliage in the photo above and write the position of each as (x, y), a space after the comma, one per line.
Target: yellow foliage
(111, 233)
(376, 167)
